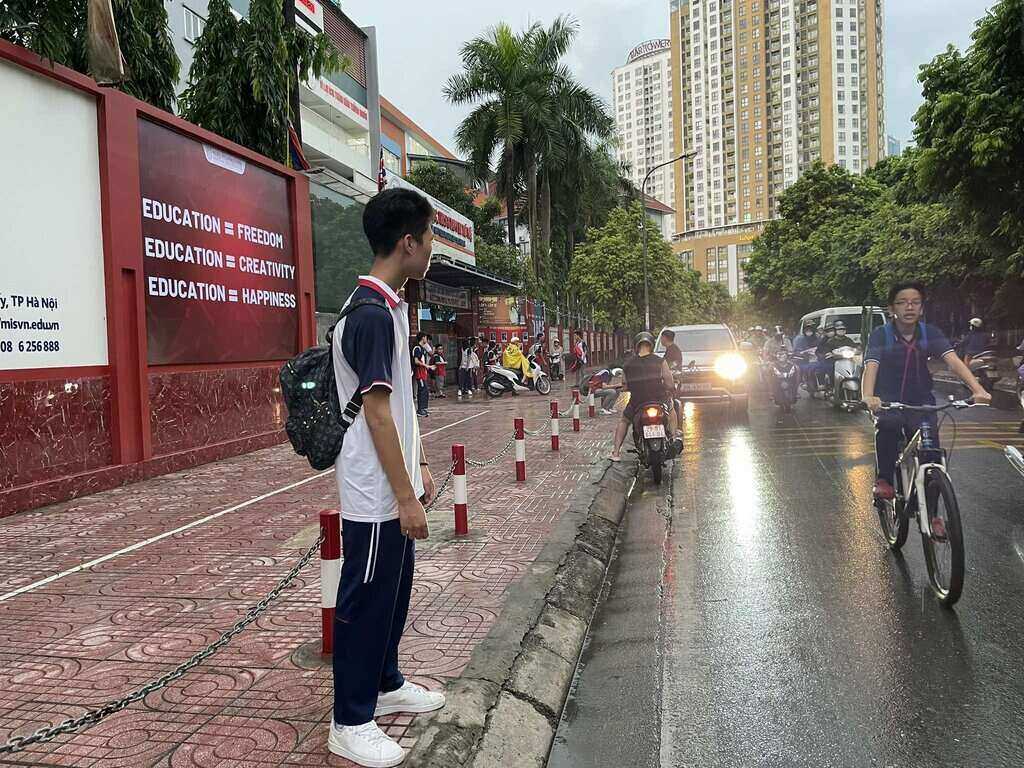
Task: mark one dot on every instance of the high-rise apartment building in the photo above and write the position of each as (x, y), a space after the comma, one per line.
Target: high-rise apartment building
(764, 89)
(642, 101)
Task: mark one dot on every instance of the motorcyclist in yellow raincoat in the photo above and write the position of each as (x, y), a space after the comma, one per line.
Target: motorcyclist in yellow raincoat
(514, 359)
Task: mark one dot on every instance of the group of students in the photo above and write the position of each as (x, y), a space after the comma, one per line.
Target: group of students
(429, 371)
(430, 367)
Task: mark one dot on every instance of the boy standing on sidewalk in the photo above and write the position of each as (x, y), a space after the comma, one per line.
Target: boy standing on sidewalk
(383, 481)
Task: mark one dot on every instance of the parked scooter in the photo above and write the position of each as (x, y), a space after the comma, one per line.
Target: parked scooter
(651, 438)
(785, 380)
(846, 370)
(501, 380)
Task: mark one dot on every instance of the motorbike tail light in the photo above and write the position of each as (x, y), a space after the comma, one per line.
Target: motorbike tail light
(652, 412)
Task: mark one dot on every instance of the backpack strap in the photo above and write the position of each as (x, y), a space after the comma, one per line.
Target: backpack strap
(355, 404)
(350, 308)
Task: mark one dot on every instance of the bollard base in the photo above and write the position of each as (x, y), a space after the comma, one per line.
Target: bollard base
(309, 656)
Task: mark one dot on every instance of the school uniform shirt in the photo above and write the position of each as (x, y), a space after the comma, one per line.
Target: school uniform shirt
(370, 352)
(419, 371)
(903, 374)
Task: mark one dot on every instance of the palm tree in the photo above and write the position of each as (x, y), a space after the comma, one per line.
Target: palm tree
(531, 111)
(574, 126)
(499, 74)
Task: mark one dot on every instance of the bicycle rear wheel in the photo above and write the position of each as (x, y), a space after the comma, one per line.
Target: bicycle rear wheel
(945, 558)
(894, 517)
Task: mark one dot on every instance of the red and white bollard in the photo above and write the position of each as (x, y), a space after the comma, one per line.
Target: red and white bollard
(591, 409)
(330, 574)
(575, 410)
(554, 425)
(459, 490)
(520, 435)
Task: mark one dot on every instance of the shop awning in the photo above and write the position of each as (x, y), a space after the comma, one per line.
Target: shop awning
(456, 274)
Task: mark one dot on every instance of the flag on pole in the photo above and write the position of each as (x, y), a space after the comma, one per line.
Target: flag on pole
(382, 173)
(106, 64)
(298, 159)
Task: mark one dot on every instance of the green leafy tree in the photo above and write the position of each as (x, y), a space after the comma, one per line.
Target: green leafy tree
(441, 183)
(244, 70)
(57, 30)
(531, 113)
(607, 273)
(811, 256)
(507, 262)
(969, 129)
(505, 85)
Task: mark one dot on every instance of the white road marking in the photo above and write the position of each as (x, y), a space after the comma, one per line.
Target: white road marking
(188, 526)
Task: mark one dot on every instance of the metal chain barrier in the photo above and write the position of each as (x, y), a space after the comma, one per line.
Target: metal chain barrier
(494, 459)
(439, 489)
(535, 432)
(94, 716)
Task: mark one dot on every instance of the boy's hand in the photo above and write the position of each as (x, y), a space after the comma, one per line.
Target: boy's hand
(412, 519)
(428, 485)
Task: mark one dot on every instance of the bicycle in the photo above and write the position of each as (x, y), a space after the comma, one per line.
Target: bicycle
(921, 467)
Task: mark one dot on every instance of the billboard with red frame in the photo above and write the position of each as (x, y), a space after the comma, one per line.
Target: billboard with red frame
(217, 253)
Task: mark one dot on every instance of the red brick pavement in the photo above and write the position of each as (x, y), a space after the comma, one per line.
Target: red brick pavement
(265, 699)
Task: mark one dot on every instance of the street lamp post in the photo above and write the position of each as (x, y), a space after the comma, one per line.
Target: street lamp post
(643, 226)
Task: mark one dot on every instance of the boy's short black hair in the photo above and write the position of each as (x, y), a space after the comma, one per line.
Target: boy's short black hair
(391, 215)
(669, 334)
(578, 332)
(420, 337)
(905, 286)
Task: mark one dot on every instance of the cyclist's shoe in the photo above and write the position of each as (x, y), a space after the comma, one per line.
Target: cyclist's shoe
(884, 490)
(938, 526)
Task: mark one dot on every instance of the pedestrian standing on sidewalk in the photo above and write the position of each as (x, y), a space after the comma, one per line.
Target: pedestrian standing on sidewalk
(421, 372)
(383, 481)
(557, 363)
(468, 363)
(580, 361)
(440, 370)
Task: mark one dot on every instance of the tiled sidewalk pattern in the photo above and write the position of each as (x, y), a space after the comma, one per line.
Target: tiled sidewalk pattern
(93, 636)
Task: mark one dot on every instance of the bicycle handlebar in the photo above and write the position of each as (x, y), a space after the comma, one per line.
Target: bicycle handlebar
(958, 404)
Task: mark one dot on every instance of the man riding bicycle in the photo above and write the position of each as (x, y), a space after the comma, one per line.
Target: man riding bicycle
(896, 370)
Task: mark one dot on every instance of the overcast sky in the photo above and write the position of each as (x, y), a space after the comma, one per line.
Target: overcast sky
(419, 45)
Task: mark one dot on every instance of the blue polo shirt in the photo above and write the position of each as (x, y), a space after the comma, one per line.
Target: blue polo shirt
(903, 374)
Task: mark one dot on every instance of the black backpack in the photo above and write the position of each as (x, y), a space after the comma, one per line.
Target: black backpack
(316, 424)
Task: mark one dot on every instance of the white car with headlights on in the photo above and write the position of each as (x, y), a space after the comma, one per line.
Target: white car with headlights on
(713, 369)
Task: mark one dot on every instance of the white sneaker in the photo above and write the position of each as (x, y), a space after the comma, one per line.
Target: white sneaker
(409, 698)
(607, 412)
(365, 745)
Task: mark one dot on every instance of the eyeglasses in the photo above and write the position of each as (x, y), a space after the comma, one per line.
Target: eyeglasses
(908, 303)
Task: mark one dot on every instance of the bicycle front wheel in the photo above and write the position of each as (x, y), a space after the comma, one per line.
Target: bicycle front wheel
(944, 554)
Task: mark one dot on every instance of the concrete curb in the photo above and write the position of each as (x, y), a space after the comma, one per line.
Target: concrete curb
(509, 699)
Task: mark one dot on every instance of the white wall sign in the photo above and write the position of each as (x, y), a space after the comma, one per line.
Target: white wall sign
(52, 295)
(453, 232)
(341, 101)
(309, 14)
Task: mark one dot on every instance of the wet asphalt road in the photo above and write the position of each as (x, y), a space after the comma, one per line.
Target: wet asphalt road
(754, 617)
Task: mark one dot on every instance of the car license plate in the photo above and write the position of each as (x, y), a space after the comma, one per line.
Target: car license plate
(695, 387)
(654, 430)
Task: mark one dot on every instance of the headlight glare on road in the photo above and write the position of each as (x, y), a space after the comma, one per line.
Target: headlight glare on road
(730, 366)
